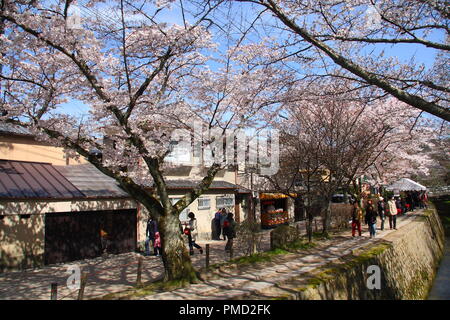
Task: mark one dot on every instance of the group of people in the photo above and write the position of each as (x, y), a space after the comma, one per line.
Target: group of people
(220, 218)
(391, 208)
(411, 201)
(224, 222)
(225, 225)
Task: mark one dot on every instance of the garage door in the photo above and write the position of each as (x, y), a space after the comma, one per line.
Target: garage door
(74, 236)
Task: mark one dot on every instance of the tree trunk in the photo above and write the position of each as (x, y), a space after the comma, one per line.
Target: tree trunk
(175, 255)
(327, 217)
(309, 222)
(254, 244)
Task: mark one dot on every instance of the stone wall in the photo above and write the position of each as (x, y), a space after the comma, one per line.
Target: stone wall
(408, 261)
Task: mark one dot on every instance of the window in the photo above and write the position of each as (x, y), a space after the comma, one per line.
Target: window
(222, 202)
(204, 204)
(184, 214)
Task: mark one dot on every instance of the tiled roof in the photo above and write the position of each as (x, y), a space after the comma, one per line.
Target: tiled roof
(91, 182)
(34, 180)
(190, 184)
(11, 129)
(20, 180)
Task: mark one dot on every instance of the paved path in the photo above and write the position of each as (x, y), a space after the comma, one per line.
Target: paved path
(107, 274)
(115, 273)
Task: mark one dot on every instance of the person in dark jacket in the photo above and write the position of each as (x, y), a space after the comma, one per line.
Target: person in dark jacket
(229, 230)
(416, 198)
(410, 201)
(223, 217)
(217, 223)
(152, 229)
(381, 211)
(398, 204)
(371, 218)
(357, 216)
(403, 205)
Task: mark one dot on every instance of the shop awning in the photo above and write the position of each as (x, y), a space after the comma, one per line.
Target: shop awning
(406, 184)
(271, 196)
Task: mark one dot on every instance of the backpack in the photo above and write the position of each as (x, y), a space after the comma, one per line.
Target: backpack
(226, 224)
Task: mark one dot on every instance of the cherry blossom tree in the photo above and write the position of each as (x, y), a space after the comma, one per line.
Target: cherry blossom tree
(361, 40)
(142, 79)
(439, 172)
(329, 139)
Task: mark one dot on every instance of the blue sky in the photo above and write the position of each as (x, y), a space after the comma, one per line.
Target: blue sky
(403, 52)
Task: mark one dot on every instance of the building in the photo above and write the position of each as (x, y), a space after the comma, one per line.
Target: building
(51, 214)
(17, 143)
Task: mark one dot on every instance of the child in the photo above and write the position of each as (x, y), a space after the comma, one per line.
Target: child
(157, 244)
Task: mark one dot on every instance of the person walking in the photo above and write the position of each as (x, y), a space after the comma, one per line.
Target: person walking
(152, 229)
(229, 229)
(425, 200)
(381, 211)
(157, 244)
(416, 199)
(371, 218)
(410, 200)
(217, 223)
(403, 205)
(223, 217)
(392, 213)
(398, 204)
(356, 219)
(192, 234)
(104, 240)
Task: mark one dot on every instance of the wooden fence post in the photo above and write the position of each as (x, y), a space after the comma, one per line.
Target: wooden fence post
(83, 282)
(54, 291)
(207, 255)
(139, 272)
(271, 240)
